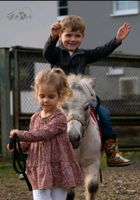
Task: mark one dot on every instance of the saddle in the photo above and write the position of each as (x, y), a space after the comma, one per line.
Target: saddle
(94, 106)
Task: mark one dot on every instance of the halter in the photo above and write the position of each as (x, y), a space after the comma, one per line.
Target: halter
(79, 119)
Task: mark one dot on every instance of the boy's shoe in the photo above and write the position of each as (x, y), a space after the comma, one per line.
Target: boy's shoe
(118, 161)
(114, 159)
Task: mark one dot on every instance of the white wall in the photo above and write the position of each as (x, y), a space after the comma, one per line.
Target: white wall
(33, 29)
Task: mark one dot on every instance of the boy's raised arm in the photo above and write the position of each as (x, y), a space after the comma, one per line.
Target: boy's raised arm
(55, 30)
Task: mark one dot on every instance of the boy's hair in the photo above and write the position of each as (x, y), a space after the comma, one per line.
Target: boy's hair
(56, 77)
(74, 22)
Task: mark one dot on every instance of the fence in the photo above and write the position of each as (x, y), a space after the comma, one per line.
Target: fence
(117, 84)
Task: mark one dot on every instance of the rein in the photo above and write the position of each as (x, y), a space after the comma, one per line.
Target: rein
(19, 159)
(79, 119)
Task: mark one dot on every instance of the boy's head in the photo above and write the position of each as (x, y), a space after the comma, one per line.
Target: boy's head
(74, 23)
(72, 32)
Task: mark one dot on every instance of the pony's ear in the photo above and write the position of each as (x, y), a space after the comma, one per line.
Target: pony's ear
(91, 82)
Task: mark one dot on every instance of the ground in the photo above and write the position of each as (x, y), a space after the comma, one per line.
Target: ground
(121, 183)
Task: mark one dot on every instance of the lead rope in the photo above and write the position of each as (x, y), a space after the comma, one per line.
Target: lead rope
(19, 159)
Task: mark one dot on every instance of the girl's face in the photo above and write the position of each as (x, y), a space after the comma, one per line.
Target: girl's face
(71, 40)
(47, 98)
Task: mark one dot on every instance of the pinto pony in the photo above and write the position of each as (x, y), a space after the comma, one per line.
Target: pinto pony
(84, 131)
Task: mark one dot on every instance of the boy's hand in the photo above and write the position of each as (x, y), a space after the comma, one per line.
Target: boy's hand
(55, 29)
(122, 32)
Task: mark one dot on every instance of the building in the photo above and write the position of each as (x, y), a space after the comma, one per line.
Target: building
(26, 23)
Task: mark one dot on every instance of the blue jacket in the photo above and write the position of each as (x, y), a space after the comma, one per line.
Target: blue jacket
(77, 62)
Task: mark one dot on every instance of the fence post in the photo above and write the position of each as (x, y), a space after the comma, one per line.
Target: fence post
(5, 100)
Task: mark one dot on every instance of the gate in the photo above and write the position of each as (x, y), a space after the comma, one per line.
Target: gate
(117, 84)
(5, 118)
(26, 62)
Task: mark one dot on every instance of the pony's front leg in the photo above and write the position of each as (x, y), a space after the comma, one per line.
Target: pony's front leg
(92, 173)
(70, 195)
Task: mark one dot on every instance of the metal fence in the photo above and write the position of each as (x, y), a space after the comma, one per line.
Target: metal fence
(118, 84)
(116, 77)
(117, 81)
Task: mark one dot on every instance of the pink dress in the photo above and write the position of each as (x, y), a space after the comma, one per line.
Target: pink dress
(50, 162)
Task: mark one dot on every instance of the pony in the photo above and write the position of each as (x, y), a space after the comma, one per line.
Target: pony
(83, 130)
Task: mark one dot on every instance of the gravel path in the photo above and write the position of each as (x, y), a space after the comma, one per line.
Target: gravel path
(121, 183)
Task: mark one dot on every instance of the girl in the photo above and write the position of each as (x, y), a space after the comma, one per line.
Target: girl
(51, 166)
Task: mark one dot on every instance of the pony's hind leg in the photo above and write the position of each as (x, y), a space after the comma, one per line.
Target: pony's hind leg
(92, 181)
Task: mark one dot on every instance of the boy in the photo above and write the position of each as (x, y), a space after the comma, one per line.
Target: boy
(68, 56)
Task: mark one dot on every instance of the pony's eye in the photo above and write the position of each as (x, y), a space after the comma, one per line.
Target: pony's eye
(86, 106)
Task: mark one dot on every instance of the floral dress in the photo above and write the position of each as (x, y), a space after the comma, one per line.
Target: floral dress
(51, 162)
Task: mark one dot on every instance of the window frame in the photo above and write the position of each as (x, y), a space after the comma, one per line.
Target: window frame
(125, 11)
(60, 17)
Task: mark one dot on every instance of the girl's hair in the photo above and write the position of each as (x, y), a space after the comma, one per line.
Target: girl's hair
(74, 22)
(56, 77)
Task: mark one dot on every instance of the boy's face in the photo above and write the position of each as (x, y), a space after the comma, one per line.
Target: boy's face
(71, 40)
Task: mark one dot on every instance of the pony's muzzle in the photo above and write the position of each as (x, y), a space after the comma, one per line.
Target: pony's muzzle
(75, 140)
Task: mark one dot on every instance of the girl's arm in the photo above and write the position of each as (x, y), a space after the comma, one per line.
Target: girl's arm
(56, 126)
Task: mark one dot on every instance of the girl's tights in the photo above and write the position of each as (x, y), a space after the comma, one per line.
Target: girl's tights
(50, 194)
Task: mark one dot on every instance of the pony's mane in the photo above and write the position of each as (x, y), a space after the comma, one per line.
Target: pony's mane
(82, 82)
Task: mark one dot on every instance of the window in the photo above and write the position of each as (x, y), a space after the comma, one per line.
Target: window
(125, 8)
(62, 9)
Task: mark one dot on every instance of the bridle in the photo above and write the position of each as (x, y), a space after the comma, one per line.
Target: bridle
(84, 123)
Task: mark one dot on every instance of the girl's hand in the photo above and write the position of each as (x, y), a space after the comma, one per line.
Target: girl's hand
(8, 148)
(55, 29)
(13, 132)
(123, 32)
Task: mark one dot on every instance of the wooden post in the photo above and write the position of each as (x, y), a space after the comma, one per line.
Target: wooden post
(5, 100)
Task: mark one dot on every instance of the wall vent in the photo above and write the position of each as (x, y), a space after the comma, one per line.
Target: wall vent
(129, 86)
